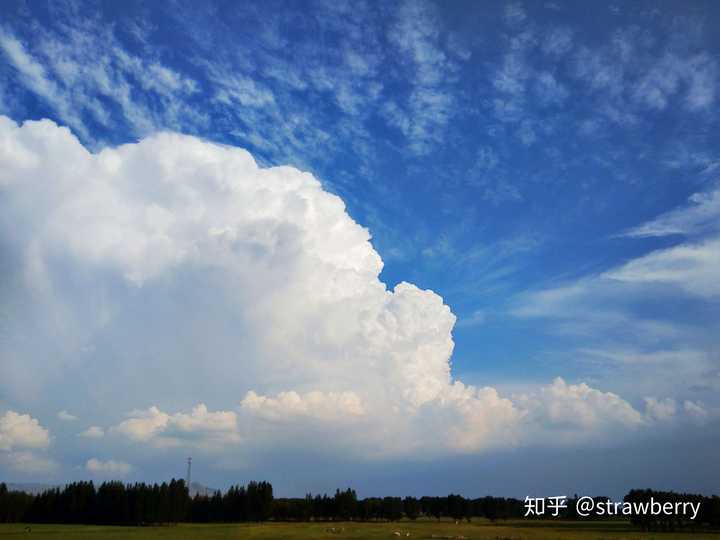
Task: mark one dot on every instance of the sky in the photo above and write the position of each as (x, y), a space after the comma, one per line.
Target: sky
(411, 247)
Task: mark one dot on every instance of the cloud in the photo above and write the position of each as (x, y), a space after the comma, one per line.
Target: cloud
(663, 409)
(515, 13)
(93, 432)
(297, 262)
(599, 71)
(22, 431)
(219, 279)
(606, 328)
(86, 77)
(558, 41)
(661, 81)
(669, 410)
(431, 100)
(29, 463)
(695, 410)
(612, 321)
(143, 425)
(233, 88)
(578, 408)
(34, 76)
(526, 133)
(20, 436)
(287, 405)
(476, 318)
(700, 216)
(199, 426)
(512, 76)
(108, 468)
(66, 416)
(549, 90)
(703, 81)
(635, 71)
(692, 268)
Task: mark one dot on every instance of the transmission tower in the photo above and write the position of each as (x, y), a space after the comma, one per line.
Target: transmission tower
(189, 462)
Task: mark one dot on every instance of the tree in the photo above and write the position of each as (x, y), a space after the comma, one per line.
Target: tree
(411, 506)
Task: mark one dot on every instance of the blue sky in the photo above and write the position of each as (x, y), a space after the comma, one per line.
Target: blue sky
(549, 170)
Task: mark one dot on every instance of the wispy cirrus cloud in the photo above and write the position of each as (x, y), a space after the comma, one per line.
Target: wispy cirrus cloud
(701, 215)
(34, 76)
(423, 116)
(692, 268)
(610, 312)
(91, 79)
(66, 416)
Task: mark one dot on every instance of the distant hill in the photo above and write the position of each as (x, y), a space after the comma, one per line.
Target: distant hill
(198, 489)
(32, 488)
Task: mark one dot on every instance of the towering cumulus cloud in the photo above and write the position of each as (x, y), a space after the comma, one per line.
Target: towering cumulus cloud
(159, 275)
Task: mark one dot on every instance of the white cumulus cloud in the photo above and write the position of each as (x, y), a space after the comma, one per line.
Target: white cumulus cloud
(93, 432)
(287, 405)
(108, 468)
(153, 425)
(182, 270)
(22, 431)
(660, 409)
(576, 411)
(696, 411)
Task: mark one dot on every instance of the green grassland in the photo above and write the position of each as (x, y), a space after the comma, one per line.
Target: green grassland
(477, 530)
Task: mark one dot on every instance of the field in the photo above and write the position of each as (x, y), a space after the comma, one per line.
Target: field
(477, 530)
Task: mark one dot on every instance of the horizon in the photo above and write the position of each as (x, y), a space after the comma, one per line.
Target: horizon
(202, 494)
(413, 249)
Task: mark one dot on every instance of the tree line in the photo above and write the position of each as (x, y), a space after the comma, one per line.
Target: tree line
(708, 515)
(345, 506)
(115, 503)
(112, 503)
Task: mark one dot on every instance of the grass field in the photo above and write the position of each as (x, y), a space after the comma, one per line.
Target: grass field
(478, 530)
